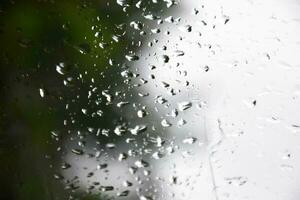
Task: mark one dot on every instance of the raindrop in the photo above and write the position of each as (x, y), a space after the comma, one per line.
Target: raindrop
(157, 155)
(102, 166)
(54, 133)
(77, 151)
(173, 180)
(42, 92)
(138, 4)
(123, 193)
(151, 17)
(132, 170)
(159, 141)
(90, 174)
(124, 3)
(184, 105)
(165, 58)
(141, 113)
(165, 84)
(179, 53)
(170, 3)
(127, 184)
(169, 19)
(132, 57)
(103, 45)
(122, 156)
(226, 21)
(122, 103)
(106, 188)
(160, 100)
(174, 113)
(116, 38)
(141, 163)
(60, 68)
(136, 25)
(65, 166)
(142, 197)
(58, 176)
(187, 28)
(195, 11)
(156, 30)
(190, 140)
(109, 97)
(84, 48)
(110, 145)
(84, 111)
(97, 34)
(138, 129)
(126, 74)
(181, 122)
(165, 123)
(119, 130)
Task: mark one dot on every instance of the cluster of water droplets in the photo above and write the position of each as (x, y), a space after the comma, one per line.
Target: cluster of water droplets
(119, 131)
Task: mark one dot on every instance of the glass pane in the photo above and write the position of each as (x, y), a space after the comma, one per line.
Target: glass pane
(149, 100)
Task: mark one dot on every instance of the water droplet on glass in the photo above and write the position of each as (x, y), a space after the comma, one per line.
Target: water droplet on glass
(132, 57)
(141, 163)
(186, 28)
(136, 25)
(157, 155)
(122, 103)
(151, 17)
(165, 123)
(124, 3)
(184, 105)
(119, 130)
(179, 53)
(127, 184)
(141, 113)
(60, 68)
(122, 156)
(142, 197)
(106, 188)
(165, 58)
(123, 193)
(137, 129)
(189, 140)
(169, 19)
(77, 151)
(42, 92)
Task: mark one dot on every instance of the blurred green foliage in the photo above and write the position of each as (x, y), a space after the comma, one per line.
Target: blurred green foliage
(36, 35)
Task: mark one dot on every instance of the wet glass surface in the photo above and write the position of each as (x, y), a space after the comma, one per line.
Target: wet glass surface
(150, 100)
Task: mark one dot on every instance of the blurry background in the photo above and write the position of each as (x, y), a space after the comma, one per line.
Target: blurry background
(146, 100)
(35, 37)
